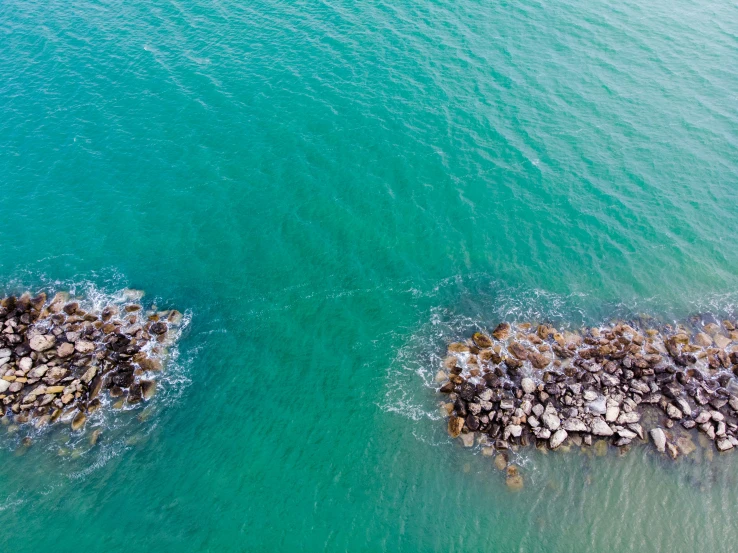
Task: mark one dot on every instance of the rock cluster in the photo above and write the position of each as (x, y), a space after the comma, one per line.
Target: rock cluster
(620, 383)
(57, 359)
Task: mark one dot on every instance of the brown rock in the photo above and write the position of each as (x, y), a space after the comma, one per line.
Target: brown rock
(455, 425)
(65, 350)
(502, 331)
(78, 421)
(518, 350)
(538, 360)
(481, 340)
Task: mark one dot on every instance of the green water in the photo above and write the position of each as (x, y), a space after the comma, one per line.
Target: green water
(333, 190)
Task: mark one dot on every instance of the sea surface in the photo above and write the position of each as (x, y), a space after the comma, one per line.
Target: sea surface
(332, 191)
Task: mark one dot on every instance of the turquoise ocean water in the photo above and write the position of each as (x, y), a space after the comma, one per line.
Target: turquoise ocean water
(333, 190)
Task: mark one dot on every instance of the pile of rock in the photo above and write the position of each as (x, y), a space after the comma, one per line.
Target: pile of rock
(56, 358)
(619, 383)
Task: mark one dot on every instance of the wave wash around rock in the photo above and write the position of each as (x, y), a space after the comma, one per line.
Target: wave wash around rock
(613, 385)
(56, 358)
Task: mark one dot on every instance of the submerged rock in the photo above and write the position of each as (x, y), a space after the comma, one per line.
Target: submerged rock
(500, 461)
(514, 479)
(79, 421)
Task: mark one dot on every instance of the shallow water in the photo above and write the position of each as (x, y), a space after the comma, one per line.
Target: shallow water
(334, 190)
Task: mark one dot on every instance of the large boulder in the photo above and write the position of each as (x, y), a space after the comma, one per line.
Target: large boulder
(703, 340)
(551, 419)
(659, 439)
(528, 385)
(158, 328)
(518, 350)
(78, 421)
(575, 425)
(84, 346)
(723, 443)
(673, 411)
(65, 350)
(502, 331)
(538, 360)
(598, 406)
(481, 340)
(599, 427)
(42, 342)
(455, 424)
(558, 438)
(629, 418)
(514, 430)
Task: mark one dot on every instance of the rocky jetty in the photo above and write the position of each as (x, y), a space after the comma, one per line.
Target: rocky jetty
(614, 385)
(59, 362)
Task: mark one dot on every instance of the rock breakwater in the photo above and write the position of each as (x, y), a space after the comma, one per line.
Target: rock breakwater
(614, 385)
(61, 359)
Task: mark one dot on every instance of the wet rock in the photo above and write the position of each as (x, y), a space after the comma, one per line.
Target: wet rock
(467, 391)
(518, 350)
(78, 421)
(89, 374)
(721, 341)
(95, 436)
(502, 331)
(158, 328)
(123, 379)
(481, 340)
(455, 424)
(538, 360)
(447, 388)
(703, 340)
(148, 389)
